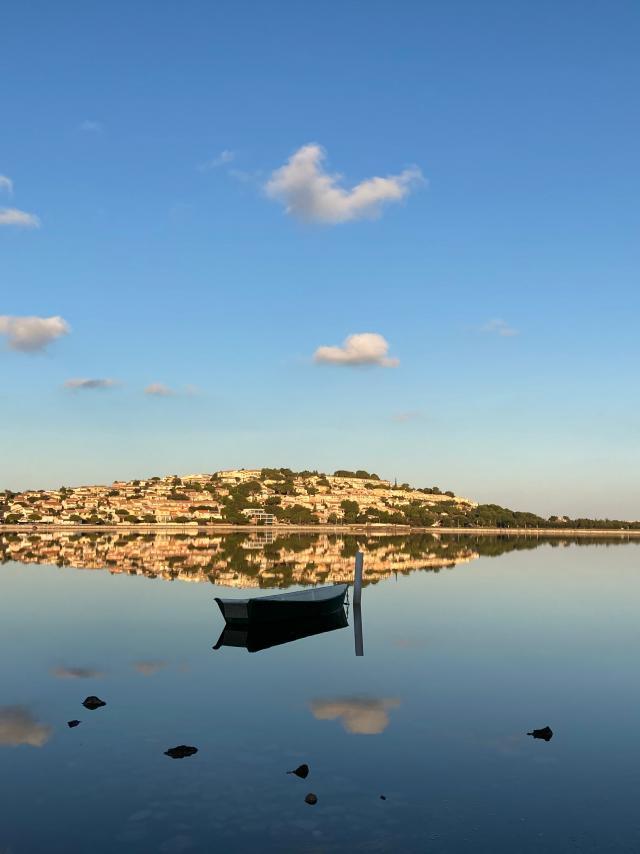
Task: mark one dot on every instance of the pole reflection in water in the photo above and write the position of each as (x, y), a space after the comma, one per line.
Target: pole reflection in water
(357, 629)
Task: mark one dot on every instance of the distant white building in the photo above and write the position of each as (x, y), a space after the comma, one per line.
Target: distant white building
(258, 515)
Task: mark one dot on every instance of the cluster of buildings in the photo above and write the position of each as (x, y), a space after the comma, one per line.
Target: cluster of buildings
(258, 559)
(200, 499)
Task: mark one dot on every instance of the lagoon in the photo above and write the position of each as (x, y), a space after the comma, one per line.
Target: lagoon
(469, 643)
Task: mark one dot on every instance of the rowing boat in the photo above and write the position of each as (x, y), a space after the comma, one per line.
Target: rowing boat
(300, 605)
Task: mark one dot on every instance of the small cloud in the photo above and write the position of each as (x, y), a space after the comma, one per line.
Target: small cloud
(21, 219)
(359, 716)
(30, 334)
(90, 126)
(499, 327)
(159, 390)
(76, 673)
(6, 185)
(82, 384)
(363, 348)
(221, 159)
(313, 195)
(18, 726)
(148, 668)
(162, 390)
(403, 417)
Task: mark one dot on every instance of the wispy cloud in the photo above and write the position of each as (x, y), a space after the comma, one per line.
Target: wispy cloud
(30, 334)
(90, 126)
(21, 219)
(359, 716)
(403, 417)
(79, 384)
(499, 327)
(162, 390)
(223, 159)
(18, 726)
(6, 185)
(77, 673)
(363, 348)
(159, 390)
(313, 195)
(246, 177)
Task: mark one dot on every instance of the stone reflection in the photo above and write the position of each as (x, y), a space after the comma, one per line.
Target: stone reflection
(18, 726)
(260, 559)
(362, 716)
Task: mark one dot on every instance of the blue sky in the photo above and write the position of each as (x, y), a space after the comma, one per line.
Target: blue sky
(145, 137)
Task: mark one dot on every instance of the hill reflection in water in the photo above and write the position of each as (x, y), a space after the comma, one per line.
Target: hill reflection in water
(264, 559)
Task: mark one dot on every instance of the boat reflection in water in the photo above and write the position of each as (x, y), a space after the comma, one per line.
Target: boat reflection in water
(256, 636)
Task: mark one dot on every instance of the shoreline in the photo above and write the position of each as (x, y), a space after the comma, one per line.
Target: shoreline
(369, 530)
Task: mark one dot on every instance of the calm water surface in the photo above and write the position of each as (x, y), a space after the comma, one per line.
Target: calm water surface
(468, 644)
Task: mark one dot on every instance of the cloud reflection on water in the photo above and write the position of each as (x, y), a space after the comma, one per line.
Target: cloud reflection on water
(77, 673)
(18, 726)
(148, 668)
(358, 715)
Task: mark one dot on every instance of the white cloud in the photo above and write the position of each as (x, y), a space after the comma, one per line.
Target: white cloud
(6, 184)
(364, 348)
(313, 195)
(221, 159)
(82, 384)
(29, 334)
(359, 716)
(18, 726)
(499, 327)
(90, 126)
(12, 216)
(159, 390)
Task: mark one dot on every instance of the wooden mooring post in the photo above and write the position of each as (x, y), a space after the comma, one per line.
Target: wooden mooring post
(357, 610)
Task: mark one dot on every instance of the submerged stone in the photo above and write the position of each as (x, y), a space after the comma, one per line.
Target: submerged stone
(311, 799)
(181, 751)
(301, 771)
(72, 724)
(546, 733)
(93, 703)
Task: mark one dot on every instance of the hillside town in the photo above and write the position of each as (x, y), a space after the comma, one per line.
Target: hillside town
(270, 497)
(259, 559)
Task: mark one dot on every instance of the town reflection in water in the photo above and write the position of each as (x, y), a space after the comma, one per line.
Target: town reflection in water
(264, 559)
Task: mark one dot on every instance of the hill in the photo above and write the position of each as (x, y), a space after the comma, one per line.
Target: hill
(269, 497)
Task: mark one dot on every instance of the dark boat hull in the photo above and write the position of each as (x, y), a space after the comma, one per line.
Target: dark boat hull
(285, 607)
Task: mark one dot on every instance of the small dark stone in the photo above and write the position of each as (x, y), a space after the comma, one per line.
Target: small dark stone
(93, 703)
(545, 733)
(72, 724)
(383, 797)
(311, 799)
(181, 751)
(301, 771)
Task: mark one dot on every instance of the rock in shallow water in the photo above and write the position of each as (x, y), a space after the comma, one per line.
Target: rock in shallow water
(72, 724)
(301, 771)
(311, 799)
(93, 703)
(545, 733)
(181, 751)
